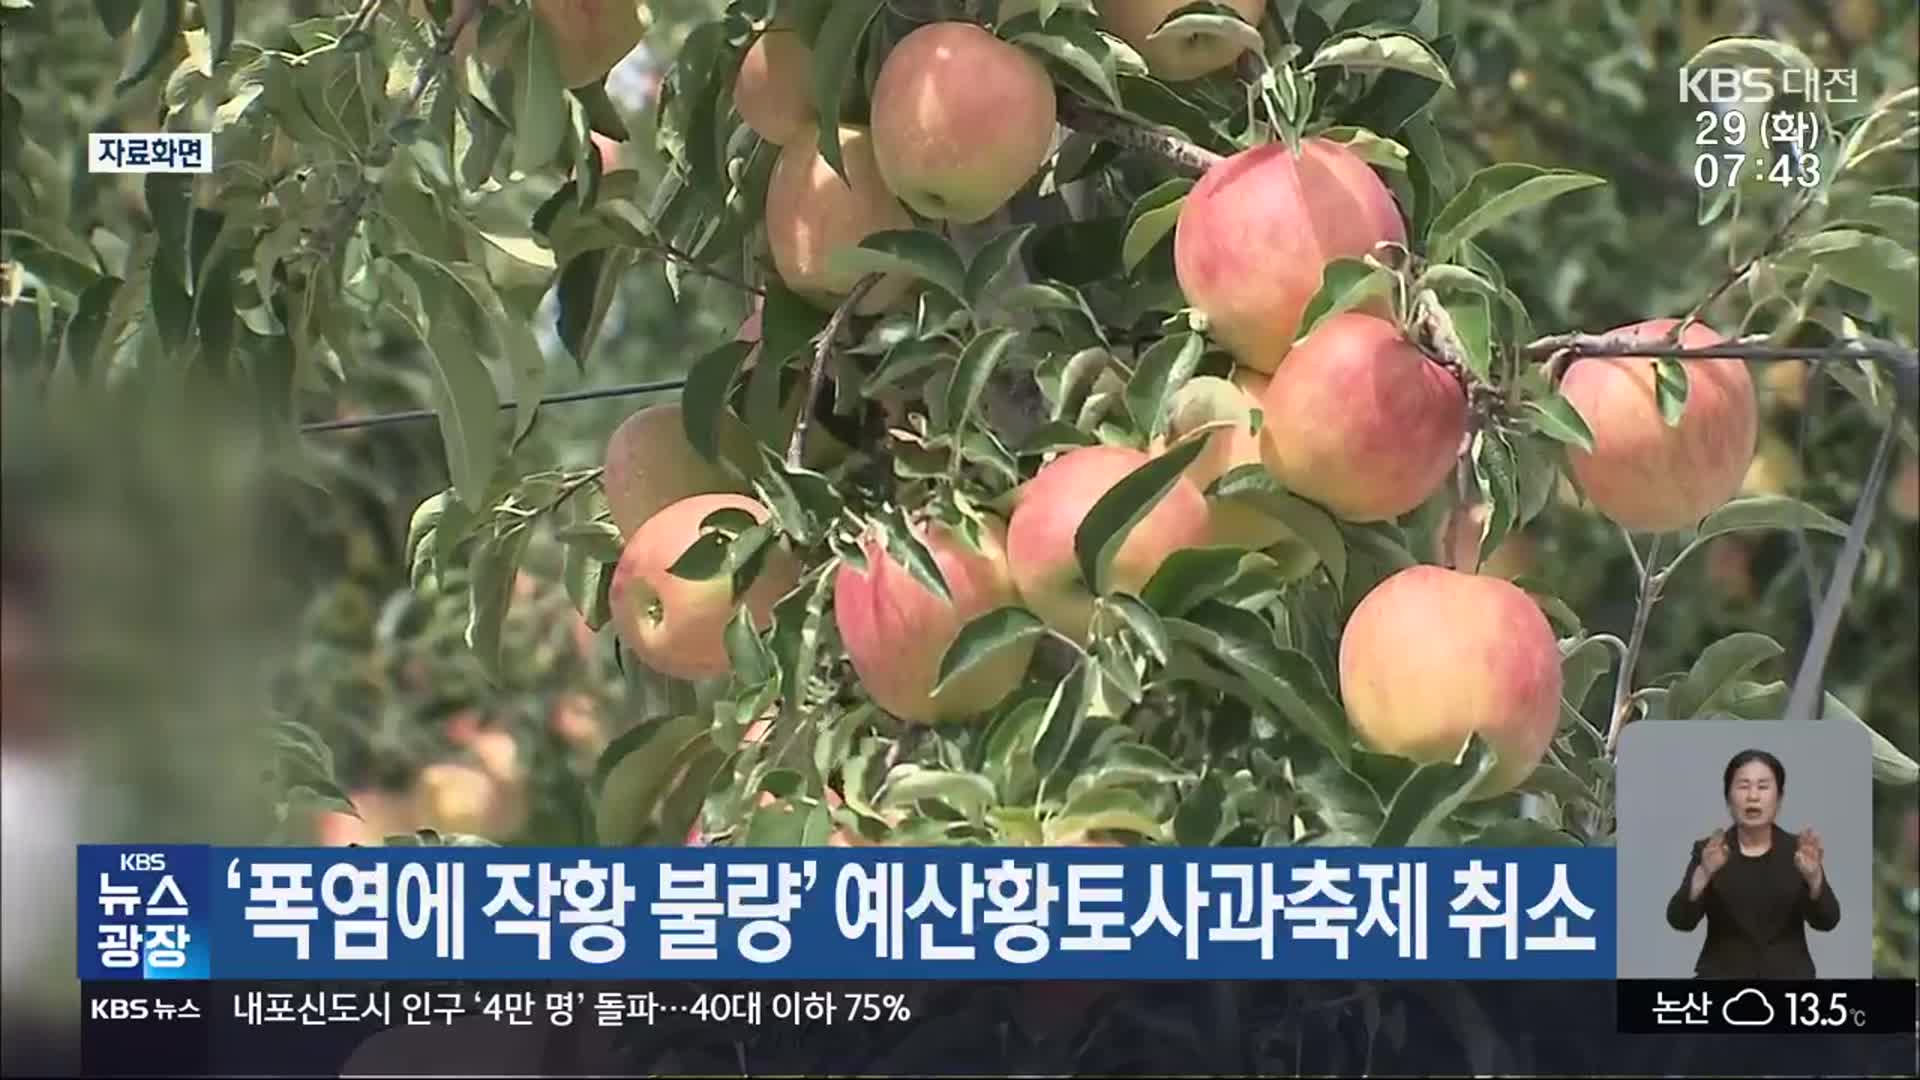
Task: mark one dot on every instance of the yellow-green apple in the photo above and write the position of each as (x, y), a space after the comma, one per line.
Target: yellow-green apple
(677, 626)
(1786, 382)
(590, 37)
(1175, 57)
(774, 90)
(962, 119)
(1458, 542)
(650, 464)
(1775, 469)
(1361, 421)
(378, 814)
(1232, 522)
(1903, 493)
(896, 630)
(1255, 233)
(1058, 498)
(454, 797)
(1644, 474)
(813, 214)
(1433, 656)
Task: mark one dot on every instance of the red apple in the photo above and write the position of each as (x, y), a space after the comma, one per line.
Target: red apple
(1058, 498)
(1433, 656)
(896, 630)
(1644, 474)
(1362, 422)
(675, 625)
(1258, 229)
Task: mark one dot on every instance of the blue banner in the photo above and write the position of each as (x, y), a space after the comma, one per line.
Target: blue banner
(837, 913)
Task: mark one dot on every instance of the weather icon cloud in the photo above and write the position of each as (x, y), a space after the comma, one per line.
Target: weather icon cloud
(1748, 1008)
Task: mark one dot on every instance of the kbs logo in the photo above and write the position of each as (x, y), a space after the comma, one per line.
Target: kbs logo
(144, 861)
(118, 1009)
(1727, 86)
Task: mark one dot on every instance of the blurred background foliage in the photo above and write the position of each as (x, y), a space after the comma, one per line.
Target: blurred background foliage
(180, 587)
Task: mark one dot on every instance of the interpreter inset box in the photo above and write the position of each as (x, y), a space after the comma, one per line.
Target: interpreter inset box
(1745, 850)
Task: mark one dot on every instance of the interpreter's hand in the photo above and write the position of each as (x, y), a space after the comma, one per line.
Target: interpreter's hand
(1713, 852)
(1809, 858)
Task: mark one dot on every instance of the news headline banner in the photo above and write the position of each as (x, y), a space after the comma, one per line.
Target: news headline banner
(191, 912)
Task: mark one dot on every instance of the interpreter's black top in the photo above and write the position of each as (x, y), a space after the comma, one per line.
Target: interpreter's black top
(1757, 909)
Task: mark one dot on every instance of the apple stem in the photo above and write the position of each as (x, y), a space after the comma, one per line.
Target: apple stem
(822, 351)
(1650, 582)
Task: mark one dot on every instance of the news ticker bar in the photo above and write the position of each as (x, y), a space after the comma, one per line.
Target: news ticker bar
(199, 913)
(567, 1028)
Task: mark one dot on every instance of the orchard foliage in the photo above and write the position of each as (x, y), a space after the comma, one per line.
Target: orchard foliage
(395, 204)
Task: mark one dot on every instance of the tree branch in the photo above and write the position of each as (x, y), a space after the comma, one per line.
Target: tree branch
(1188, 156)
(822, 351)
(1651, 578)
(1561, 350)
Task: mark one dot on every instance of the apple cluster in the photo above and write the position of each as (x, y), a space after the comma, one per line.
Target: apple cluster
(1352, 416)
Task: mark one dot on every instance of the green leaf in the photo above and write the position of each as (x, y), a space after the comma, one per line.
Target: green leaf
(905, 548)
(1875, 265)
(1221, 22)
(1197, 822)
(495, 567)
(1146, 625)
(1079, 48)
(1431, 795)
(1104, 808)
(704, 559)
(1254, 486)
(153, 40)
(1283, 678)
(914, 252)
(1556, 418)
(1190, 576)
(785, 825)
(1066, 711)
(1382, 52)
(1494, 470)
(985, 636)
(1369, 147)
(1161, 370)
(636, 771)
(1670, 389)
(703, 401)
(1494, 194)
(977, 364)
(464, 395)
(994, 258)
(220, 17)
(1768, 512)
(1345, 284)
(1113, 517)
(835, 51)
(541, 116)
(1891, 765)
(116, 16)
(1153, 216)
(1719, 667)
(969, 793)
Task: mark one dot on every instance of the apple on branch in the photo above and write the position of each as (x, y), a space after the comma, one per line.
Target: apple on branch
(1256, 233)
(1361, 421)
(896, 630)
(961, 121)
(1432, 657)
(1647, 475)
(1040, 536)
(677, 625)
